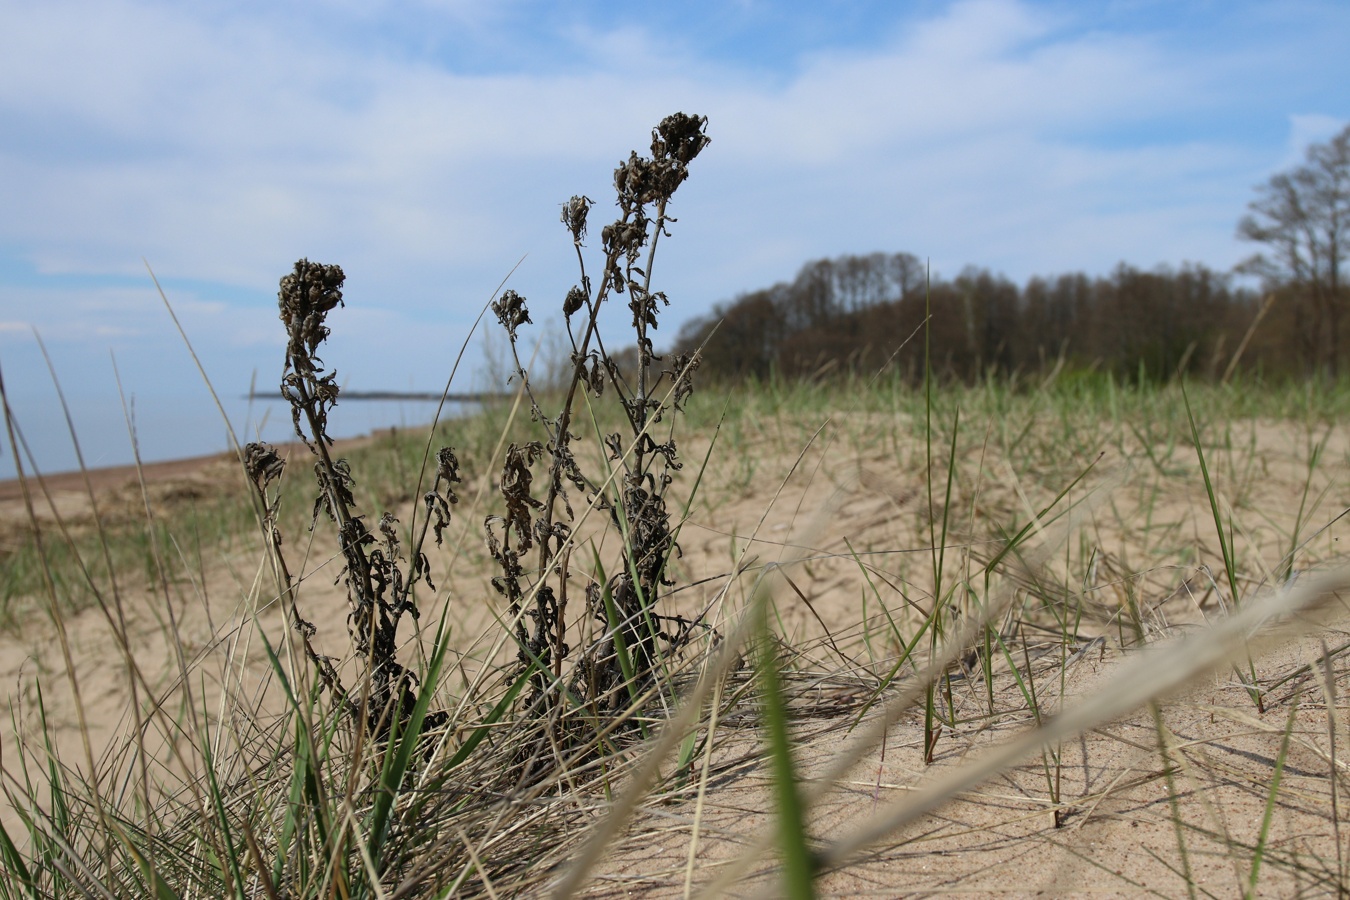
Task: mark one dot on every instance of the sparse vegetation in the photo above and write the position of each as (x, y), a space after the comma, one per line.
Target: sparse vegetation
(621, 635)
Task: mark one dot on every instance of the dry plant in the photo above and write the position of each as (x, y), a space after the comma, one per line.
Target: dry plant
(366, 792)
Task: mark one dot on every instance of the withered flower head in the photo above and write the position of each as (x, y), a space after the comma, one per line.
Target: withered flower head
(640, 180)
(511, 312)
(680, 137)
(574, 301)
(681, 372)
(627, 237)
(306, 297)
(574, 217)
(447, 465)
(262, 463)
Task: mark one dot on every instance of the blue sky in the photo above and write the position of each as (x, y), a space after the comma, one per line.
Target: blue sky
(426, 146)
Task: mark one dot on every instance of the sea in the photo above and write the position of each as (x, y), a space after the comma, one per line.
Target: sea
(168, 427)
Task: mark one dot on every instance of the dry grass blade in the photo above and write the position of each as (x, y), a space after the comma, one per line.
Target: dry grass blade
(873, 732)
(1156, 673)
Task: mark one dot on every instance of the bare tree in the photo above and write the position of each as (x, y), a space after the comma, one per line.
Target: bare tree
(1301, 216)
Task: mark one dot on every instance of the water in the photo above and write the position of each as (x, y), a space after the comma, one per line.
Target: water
(182, 426)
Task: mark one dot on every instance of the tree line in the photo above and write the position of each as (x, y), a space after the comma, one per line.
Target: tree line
(862, 314)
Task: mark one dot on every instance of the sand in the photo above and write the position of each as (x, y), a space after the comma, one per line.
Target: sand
(1113, 831)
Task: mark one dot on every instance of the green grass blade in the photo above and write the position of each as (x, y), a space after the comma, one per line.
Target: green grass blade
(1225, 542)
(616, 627)
(162, 889)
(407, 739)
(798, 866)
(497, 714)
(1225, 547)
(14, 864)
(1266, 818)
(218, 805)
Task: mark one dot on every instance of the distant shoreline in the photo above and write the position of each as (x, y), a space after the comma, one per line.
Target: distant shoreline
(391, 395)
(154, 469)
(159, 470)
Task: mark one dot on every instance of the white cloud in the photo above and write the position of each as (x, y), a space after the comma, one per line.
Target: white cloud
(252, 141)
(91, 316)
